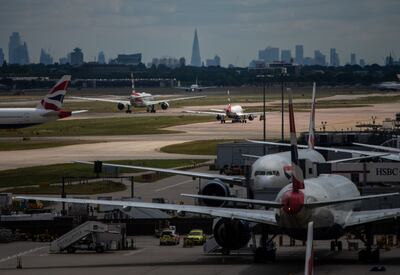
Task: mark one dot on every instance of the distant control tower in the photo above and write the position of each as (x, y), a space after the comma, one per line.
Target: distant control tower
(196, 59)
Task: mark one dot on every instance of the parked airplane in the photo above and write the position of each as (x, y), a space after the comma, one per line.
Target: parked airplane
(140, 100)
(48, 109)
(195, 87)
(329, 201)
(389, 85)
(234, 112)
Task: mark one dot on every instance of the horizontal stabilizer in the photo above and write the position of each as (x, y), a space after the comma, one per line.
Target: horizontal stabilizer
(78, 112)
(378, 147)
(333, 202)
(251, 156)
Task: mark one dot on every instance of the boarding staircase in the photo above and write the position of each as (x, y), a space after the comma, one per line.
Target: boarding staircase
(77, 234)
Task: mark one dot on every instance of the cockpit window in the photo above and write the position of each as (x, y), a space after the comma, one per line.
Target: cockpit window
(259, 173)
(268, 173)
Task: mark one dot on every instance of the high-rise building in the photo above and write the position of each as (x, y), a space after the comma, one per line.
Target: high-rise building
(76, 57)
(334, 58)
(319, 58)
(362, 62)
(17, 52)
(214, 62)
(353, 60)
(286, 56)
(269, 54)
(182, 62)
(1, 57)
(129, 59)
(299, 54)
(196, 59)
(101, 58)
(45, 58)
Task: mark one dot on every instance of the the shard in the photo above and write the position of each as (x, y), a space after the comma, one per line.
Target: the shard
(196, 59)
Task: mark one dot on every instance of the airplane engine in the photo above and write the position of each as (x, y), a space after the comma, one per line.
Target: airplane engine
(214, 188)
(251, 117)
(120, 106)
(218, 117)
(231, 234)
(164, 105)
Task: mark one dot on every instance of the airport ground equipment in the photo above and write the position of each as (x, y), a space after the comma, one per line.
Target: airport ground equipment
(90, 235)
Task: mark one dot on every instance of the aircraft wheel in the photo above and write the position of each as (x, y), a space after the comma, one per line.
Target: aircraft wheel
(333, 246)
(339, 246)
(263, 255)
(245, 121)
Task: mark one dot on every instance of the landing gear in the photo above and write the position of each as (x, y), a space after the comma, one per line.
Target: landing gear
(368, 255)
(128, 110)
(223, 121)
(336, 244)
(151, 109)
(266, 252)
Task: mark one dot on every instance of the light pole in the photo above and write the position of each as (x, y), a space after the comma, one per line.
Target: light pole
(263, 76)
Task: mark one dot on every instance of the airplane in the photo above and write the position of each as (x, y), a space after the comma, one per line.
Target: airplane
(234, 112)
(48, 109)
(389, 85)
(324, 207)
(195, 87)
(137, 99)
(379, 147)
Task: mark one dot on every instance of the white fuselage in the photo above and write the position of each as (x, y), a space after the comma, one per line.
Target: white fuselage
(328, 220)
(24, 117)
(234, 111)
(141, 99)
(274, 170)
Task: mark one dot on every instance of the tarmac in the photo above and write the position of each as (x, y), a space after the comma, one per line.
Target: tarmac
(150, 258)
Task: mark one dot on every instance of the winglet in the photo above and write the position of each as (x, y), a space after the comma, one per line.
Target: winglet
(309, 264)
(311, 130)
(297, 173)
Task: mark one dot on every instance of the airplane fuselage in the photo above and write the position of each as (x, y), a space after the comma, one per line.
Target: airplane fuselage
(274, 170)
(328, 221)
(141, 99)
(25, 117)
(234, 111)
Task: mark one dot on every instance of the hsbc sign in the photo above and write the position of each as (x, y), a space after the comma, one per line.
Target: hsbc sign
(373, 172)
(387, 172)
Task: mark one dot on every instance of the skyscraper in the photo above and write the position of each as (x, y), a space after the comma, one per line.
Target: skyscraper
(1, 57)
(45, 58)
(299, 54)
(17, 52)
(196, 59)
(76, 57)
(334, 58)
(319, 58)
(269, 55)
(353, 60)
(101, 59)
(286, 56)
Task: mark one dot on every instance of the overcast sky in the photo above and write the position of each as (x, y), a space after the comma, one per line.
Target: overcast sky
(233, 29)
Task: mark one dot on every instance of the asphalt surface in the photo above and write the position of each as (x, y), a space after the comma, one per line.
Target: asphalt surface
(150, 258)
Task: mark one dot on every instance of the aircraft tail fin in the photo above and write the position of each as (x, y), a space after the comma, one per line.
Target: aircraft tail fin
(55, 97)
(311, 130)
(309, 264)
(297, 173)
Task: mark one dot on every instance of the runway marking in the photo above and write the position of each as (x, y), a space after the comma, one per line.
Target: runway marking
(173, 185)
(134, 252)
(22, 253)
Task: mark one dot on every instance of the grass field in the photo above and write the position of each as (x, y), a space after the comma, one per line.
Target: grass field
(200, 147)
(106, 126)
(72, 189)
(51, 174)
(36, 144)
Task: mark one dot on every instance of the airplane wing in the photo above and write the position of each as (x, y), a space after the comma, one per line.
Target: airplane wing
(333, 149)
(218, 110)
(251, 215)
(125, 102)
(154, 102)
(78, 112)
(363, 217)
(378, 147)
(206, 112)
(237, 180)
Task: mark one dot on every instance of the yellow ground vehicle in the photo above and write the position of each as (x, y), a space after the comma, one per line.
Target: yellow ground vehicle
(196, 236)
(169, 237)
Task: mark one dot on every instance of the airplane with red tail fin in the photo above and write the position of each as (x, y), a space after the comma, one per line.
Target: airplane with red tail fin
(48, 109)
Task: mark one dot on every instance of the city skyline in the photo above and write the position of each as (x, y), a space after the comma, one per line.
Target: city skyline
(233, 30)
